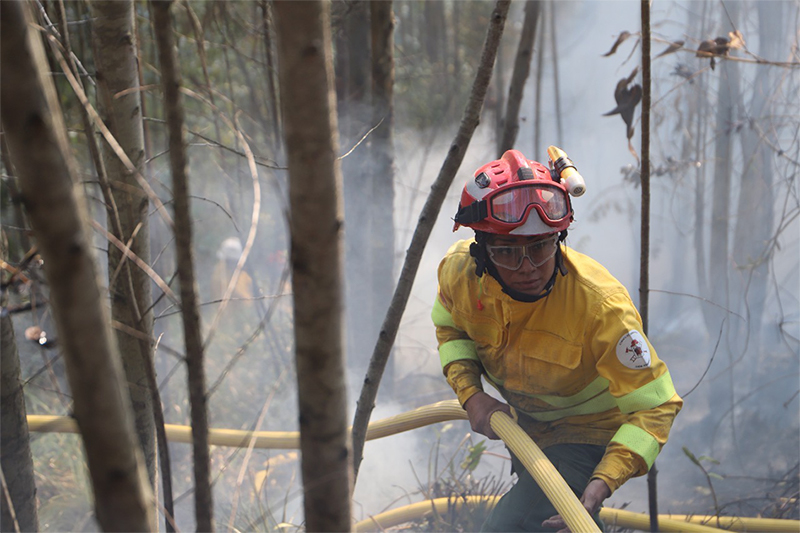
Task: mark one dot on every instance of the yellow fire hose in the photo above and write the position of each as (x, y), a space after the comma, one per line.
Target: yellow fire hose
(618, 517)
(544, 473)
(740, 523)
(531, 456)
(281, 440)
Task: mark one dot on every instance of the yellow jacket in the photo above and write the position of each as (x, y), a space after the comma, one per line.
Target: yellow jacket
(574, 365)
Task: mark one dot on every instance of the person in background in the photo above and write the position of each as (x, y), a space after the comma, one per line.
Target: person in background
(228, 255)
(558, 337)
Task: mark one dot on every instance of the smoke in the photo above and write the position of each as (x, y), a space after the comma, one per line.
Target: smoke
(753, 432)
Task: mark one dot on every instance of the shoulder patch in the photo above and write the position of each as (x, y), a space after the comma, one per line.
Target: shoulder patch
(633, 351)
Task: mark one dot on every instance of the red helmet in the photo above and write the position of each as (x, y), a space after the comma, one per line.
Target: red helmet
(505, 192)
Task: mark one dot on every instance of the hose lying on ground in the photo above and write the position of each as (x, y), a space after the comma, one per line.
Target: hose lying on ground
(423, 416)
(741, 523)
(284, 440)
(617, 517)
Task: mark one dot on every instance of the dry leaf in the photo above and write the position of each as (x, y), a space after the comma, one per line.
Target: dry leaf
(622, 36)
(736, 40)
(673, 47)
(627, 99)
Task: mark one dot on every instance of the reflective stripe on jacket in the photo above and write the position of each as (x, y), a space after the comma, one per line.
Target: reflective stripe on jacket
(574, 365)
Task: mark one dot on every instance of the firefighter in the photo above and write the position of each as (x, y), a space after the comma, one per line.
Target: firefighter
(228, 254)
(558, 337)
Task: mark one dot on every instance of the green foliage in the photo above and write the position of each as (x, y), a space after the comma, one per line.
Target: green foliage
(457, 480)
(473, 456)
(62, 483)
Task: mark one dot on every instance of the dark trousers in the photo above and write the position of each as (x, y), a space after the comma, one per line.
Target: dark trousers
(525, 506)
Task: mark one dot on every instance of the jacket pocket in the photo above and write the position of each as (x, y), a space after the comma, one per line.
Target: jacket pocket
(548, 364)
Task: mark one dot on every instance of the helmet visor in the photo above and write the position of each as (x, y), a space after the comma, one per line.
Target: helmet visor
(510, 205)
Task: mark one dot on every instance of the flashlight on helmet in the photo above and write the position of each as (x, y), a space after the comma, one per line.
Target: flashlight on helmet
(567, 172)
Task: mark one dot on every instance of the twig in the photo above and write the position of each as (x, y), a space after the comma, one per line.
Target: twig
(112, 142)
(361, 140)
(135, 258)
(709, 361)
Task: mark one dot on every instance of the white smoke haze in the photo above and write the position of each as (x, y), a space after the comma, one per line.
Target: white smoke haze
(742, 411)
(607, 228)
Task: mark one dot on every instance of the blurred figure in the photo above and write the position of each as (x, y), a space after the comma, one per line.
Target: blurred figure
(228, 255)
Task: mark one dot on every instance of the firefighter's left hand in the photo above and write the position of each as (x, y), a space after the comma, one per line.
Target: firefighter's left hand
(593, 496)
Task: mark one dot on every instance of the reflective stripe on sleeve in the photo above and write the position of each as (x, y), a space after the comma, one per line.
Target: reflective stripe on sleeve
(648, 396)
(594, 398)
(640, 441)
(590, 391)
(599, 404)
(457, 349)
(441, 317)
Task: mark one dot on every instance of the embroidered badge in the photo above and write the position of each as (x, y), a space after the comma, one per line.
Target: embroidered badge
(632, 350)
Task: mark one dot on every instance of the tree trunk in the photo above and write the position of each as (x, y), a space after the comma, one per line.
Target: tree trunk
(427, 218)
(728, 98)
(16, 460)
(499, 90)
(554, 56)
(116, 65)
(272, 91)
(537, 107)
(644, 258)
(456, 20)
(382, 151)
(755, 227)
(522, 67)
(39, 150)
(309, 111)
(171, 82)
(699, 143)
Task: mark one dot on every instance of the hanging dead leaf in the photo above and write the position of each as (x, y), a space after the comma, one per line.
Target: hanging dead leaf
(621, 39)
(717, 47)
(711, 47)
(672, 48)
(720, 46)
(736, 40)
(627, 99)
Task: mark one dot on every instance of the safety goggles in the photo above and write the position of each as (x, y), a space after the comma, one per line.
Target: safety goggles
(511, 256)
(510, 205)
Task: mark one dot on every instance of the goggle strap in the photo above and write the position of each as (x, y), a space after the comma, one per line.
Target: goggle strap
(472, 213)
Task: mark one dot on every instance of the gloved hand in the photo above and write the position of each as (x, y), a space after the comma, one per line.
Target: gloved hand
(480, 407)
(593, 496)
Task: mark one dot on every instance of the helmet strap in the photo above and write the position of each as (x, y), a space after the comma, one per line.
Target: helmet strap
(478, 251)
(559, 255)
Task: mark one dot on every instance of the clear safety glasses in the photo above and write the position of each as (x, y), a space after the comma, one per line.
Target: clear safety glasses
(512, 256)
(511, 204)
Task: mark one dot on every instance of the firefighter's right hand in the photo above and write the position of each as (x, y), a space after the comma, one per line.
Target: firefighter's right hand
(480, 407)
